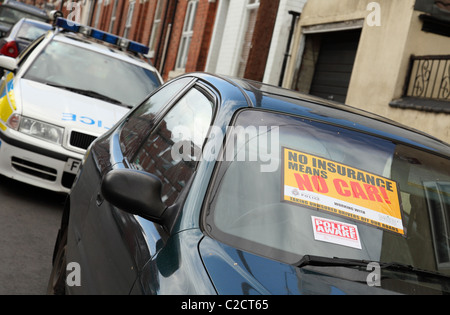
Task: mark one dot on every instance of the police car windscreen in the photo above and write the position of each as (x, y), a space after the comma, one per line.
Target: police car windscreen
(79, 68)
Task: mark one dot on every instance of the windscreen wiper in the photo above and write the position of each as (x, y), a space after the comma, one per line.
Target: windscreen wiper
(89, 93)
(320, 261)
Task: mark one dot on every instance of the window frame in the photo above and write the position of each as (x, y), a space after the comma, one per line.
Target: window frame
(252, 7)
(187, 34)
(129, 19)
(174, 101)
(156, 27)
(209, 93)
(438, 219)
(215, 183)
(113, 16)
(158, 115)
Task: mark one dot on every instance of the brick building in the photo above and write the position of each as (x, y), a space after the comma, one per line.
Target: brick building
(177, 31)
(244, 38)
(250, 38)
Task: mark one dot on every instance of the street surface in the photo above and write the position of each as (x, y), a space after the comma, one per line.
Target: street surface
(29, 221)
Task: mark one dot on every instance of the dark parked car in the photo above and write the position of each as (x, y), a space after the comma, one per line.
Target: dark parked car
(12, 11)
(216, 185)
(21, 35)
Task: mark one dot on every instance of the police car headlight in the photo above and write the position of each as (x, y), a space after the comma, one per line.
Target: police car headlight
(41, 130)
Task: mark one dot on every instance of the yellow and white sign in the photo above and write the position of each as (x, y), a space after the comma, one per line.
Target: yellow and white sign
(325, 185)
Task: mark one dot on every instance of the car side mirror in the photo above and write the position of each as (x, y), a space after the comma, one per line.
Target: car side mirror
(8, 63)
(135, 192)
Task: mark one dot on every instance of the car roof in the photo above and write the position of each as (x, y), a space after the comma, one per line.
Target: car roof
(273, 98)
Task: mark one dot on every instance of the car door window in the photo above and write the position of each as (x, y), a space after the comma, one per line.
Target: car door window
(141, 121)
(169, 151)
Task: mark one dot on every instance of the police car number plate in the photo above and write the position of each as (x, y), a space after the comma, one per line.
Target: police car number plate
(72, 166)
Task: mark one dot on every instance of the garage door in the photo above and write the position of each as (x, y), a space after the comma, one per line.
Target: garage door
(335, 64)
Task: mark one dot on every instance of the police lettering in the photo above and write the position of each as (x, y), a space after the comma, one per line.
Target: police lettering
(83, 119)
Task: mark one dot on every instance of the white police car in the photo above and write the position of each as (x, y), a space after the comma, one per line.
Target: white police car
(60, 94)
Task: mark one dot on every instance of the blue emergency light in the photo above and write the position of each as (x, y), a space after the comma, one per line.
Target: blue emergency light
(68, 25)
(103, 36)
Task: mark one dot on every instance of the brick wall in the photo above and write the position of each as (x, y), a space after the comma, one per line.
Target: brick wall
(177, 29)
(203, 27)
(262, 36)
(168, 10)
(201, 39)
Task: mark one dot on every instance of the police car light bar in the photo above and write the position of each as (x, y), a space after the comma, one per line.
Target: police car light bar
(101, 35)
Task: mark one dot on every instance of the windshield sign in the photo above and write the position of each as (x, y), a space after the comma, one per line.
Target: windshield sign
(323, 184)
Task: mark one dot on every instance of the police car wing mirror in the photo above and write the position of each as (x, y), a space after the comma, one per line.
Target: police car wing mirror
(8, 63)
(135, 192)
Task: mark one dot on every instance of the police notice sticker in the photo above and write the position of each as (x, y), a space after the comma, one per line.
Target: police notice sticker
(336, 232)
(336, 188)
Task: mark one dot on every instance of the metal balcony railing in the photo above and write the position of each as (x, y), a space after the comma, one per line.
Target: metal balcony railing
(429, 78)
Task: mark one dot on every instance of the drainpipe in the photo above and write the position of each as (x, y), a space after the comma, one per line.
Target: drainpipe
(91, 14)
(295, 15)
(164, 53)
(163, 25)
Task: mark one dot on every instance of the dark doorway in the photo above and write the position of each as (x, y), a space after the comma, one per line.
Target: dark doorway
(327, 64)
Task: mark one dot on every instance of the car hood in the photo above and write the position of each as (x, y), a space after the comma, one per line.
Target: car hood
(65, 108)
(235, 272)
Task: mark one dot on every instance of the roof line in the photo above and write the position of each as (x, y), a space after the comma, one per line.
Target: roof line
(231, 81)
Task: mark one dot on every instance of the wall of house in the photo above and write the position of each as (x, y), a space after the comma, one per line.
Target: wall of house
(200, 41)
(226, 38)
(262, 37)
(421, 43)
(280, 39)
(382, 58)
(380, 66)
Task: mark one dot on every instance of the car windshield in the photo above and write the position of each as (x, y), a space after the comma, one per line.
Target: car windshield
(288, 187)
(79, 69)
(11, 16)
